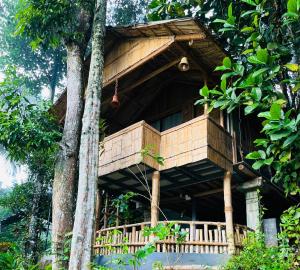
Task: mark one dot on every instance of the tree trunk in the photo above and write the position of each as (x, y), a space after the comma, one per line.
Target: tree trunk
(32, 242)
(66, 166)
(83, 231)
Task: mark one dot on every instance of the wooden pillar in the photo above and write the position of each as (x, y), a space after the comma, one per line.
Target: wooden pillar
(228, 212)
(105, 219)
(98, 208)
(194, 209)
(155, 198)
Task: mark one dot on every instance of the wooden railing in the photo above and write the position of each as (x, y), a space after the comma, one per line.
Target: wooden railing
(201, 237)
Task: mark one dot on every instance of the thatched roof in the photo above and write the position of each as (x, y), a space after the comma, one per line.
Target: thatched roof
(175, 37)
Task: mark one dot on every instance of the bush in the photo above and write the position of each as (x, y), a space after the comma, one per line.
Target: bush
(12, 259)
(257, 256)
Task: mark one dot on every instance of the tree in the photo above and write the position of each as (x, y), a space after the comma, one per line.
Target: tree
(83, 231)
(68, 22)
(42, 67)
(262, 75)
(125, 12)
(29, 134)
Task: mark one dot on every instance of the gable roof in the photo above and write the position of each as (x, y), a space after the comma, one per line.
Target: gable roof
(175, 37)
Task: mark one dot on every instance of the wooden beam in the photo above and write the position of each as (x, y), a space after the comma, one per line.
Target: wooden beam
(196, 180)
(155, 196)
(228, 212)
(190, 37)
(145, 78)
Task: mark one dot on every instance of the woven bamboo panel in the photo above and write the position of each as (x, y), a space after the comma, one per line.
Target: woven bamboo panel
(131, 53)
(190, 142)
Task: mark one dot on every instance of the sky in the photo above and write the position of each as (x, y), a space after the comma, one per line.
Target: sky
(10, 174)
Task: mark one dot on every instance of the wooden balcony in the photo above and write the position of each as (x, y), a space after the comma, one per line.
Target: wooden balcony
(189, 143)
(201, 237)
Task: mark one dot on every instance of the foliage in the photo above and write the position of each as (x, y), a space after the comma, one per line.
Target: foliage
(25, 127)
(41, 68)
(255, 255)
(125, 12)
(149, 151)
(13, 260)
(52, 22)
(121, 204)
(29, 134)
(290, 224)
(264, 77)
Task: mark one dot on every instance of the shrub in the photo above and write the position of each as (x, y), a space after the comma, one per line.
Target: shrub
(257, 256)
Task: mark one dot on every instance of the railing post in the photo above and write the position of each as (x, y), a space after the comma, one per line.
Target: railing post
(155, 198)
(228, 212)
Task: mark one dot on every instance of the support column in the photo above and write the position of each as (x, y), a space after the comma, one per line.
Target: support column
(155, 197)
(228, 212)
(194, 209)
(251, 189)
(98, 208)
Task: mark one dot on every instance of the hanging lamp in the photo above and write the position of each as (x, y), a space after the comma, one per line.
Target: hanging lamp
(184, 64)
(115, 103)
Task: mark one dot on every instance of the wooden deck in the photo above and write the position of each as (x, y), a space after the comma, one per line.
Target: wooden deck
(199, 139)
(202, 237)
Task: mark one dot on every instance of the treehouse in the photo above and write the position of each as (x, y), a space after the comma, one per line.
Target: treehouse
(187, 166)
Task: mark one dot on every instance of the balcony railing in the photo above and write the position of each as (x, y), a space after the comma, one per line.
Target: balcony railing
(201, 237)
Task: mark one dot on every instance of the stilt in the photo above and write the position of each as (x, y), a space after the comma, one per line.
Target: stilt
(228, 213)
(98, 208)
(155, 198)
(251, 190)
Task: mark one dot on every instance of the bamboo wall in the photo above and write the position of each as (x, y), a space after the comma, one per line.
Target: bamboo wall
(190, 142)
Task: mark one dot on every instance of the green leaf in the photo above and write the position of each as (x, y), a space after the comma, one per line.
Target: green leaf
(249, 12)
(262, 55)
(258, 164)
(247, 29)
(257, 93)
(254, 60)
(261, 142)
(227, 62)
(229, 12)
(279, 135)
(292, 6)
(250, 2)
(285, 156)
(219, 21)
(253, 155)
(290, 140)
(292, 67)
(204, 91)
(223, 85)
(250, 108)
(247, 51)
(275, 111)
(260, 71)
(268, 161)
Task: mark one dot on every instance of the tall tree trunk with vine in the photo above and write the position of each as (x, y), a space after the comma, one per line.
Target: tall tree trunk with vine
(66, 165)
(82, 240)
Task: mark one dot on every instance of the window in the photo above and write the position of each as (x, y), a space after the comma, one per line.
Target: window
(168, 122)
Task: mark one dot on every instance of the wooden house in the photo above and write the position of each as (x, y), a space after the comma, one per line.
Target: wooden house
(205, 183)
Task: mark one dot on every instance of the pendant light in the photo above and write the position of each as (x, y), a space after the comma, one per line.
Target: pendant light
(115, 103)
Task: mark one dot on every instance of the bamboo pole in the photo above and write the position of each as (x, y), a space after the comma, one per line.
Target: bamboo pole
(155, 198)
(228, 212)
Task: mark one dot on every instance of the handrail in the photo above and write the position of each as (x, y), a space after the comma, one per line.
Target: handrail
(201, 237)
